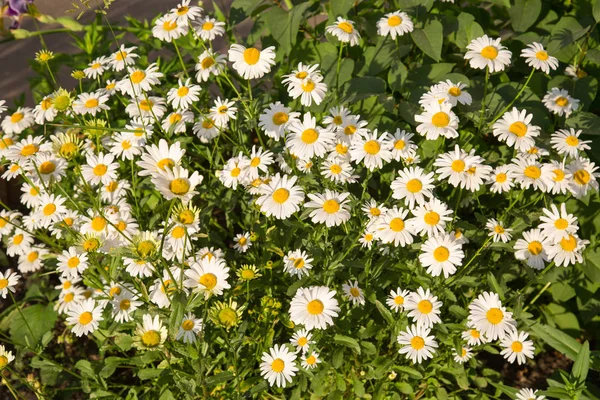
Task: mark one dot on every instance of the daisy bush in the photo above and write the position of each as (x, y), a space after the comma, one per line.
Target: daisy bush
(292, 200)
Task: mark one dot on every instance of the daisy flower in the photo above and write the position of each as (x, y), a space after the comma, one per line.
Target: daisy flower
(396, 23)
(575, 72)
(454, 93)
(497, 231)
(338, 116)
(3, 107)
(99, 169)
(557, 225)
(124, 304)
(6, 357)
(561, 177)
(538, 58)
(280, 197)
(209, 62)
(175, 122)
(123, 146)
(275, 119)
(464, 356)
(49, 167)
(473, 337)
(162, 289)
(235, 171)
(437, 120)
(123, 57)
(50, 209)
(352, 128)
(150, 334)
(486, 52)
(189, 329)
(27, 149)
(208, 277)
(67, 299)
(343, 29)
(517, 347)
(186, 13)
(566, 142)
(337, 170)
(310, 89)
(528, 394)
(412, 185)
(310, 361)
(148, 109)
(533, 248)
(84, 317)
(251, 63)
(559, 102)
(396, 299)
(416, 343)
(96, 68)
(297, 262)
(18, 243)
(182, 97)
(501, 179)
(168, 28)
(160, 158)
(177, 183)
(278, 366)
(314, 307)
(430, 218)
(242, 242)
(18, 121)
(301, 339)
(222, 112)
(208, 28)
(371, 149)
(45, 111)
(392, 227)
(8, 281)
(489, 317)
(528, 172)
(354, 293)
(584, 177)
(423, 307)
(567, 251)
(306, 139)
(402, 145)
(330, 208)
(441, 254)
(515, 129)
(139, 81)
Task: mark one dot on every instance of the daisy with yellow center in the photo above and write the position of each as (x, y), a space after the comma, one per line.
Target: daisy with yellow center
(280, 197)
(489, 317)
(537, 57)
(516, 347)
(485, 52)
(177, 183)
(278, 366)
(567, 250)
(371, 149)
(516, 130)
(423, 307)
(497, 231)
(139, 81)
(397, 299)
(314, 307)
(124, 304)
(302, 340)
(85, 317)
(189, 329)
(251, 63)
(437, 120)
(416, 343)
(567, 142)
(330, 208)
(208, 28)
(8, 281)
(532, 248)
(354, 293)
(122, 57)
(584, 176)
(413, 185)
(208, 277)
(150, 334)
(96, 68)
(558, 101)
(168, 28)
(100, 169)
(394, 24)
(18, 121)
(209, 63)
(343, 30)
(297, 263)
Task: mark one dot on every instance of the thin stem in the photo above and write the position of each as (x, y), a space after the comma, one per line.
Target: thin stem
(485, 86)
(337, 73)
(180, 59)
(515, 99)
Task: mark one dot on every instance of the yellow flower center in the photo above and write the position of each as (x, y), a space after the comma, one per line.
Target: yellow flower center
(541, 55)
(235, 172)
(331, 206)
(535, 247)
(582, 177)
(68, 148)
(69, 297)
(501, 177)
(354, 292)
(85, 318)
(28, 150)
(310, 136)
(178, 232)
(73, 262)
(346, 27)
(559, 175)
(463, 352)
(242, 241)
(350, 130)
(454, 91)
(311, 360)
(16, 117)
(474, 333)
(308, 86)
(49, 209)
(146, 105)
(341, 148)
(31, 257)
(170, 25)
(498, 229)
(399, 300)
(183, 91)
(458, 166)
(417, 343)
(569, 244)
(394, 20)
(251, 56)
(337, 120)
(138, 76)
(164, 163)
(399, 144)
(46, 104)
(302, 341)
(562, 102)
(98, 224)
(281, 195)
(179, 186)
(174, 118)
(91, 103)
(187, 325)
(335, 169)
(247, 274)
(299, 263)
(145, 248)
(47, 167)
(100, 170)
(372, 147)
(315, 307)
(3, 283)
(532, 172)
(432, 218)
(207, 62)
(120, 56)
(494, 316)
(517, 347)
(414, 186)
(561, 224)
(209, 281)
(228, 316)
(17, 239)
(280, 118)
(441, 254)
(91, 244)
(124, 304)
(277, 365)
(182, 10)
(114, 291)
(489, 52)
(397, 225)
(151, 338)
(518, 128)
(207, 26)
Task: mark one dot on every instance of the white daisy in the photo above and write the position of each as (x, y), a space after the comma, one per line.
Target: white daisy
(486, 52)
(567, 251)
(423, 307)
(392, 227)
(538, 58)
(123, 57)
(314, 307)
(402, 145)
(251, 63)
(275, 119)
(515, 129)
(371, 149)
(489, 317)
(397, 299)
(566, 142)
(354, 293)
(18, 121)
(412, 185)
(330, 208)
(278, 365)
(190, 328)
(297, 262)
(396, 23)
(528, 394)
(437, 120)
(124, 304)
(99, 169)
(150, 334)
(302, 339)
(557, 225)
(280, 197)
(177, 183)
(139, 81)
(168, 28)
(343, 29)
(208, 277)
(8, 281)
(502, 179)
(208, 28)
(430, 218)
(417, 344)
(306, 139)
(209, 62)
(559, 102)
(584, 177)
(182, 96)
(497, 231)
(464, 356)
(528, 172)
(517, 347)
(85, 317)
(533, 248)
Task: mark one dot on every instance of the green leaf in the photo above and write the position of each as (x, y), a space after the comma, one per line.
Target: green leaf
(587, 121)
(124, 342)
(596, 11)
(430, 39)
(563, 36)
(385, 313)
(495, 285)
(458, 311)
(149, 373)
(70, 23)
(347, 341)
(284, 25)
(582, 363)
(524, 14)
(86, 369)
(557, 339)
(585, 90)
(468, 30)
(340, 8)
(360, 88)
(408, 371)
(110, 366)
(39, 318)
(178, 303)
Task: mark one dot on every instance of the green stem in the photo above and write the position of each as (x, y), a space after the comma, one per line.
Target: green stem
(513, 100)
(337, 73)
(482, 112)
(180, 59)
